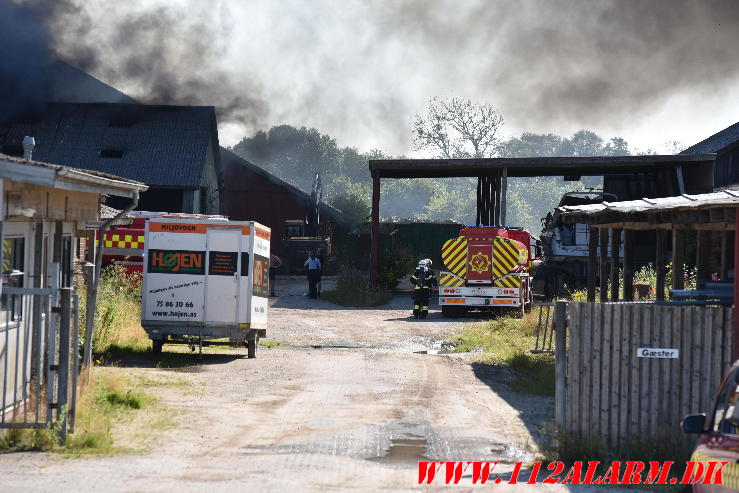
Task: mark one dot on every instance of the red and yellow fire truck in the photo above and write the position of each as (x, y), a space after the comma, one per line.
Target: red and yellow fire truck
(489, 269)
(124, 243)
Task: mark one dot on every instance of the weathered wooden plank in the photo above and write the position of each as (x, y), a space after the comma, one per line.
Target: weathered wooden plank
(560, 363)
(575, 353)
(707, 329)
(686, 359)
(643, 383)
(586, 379)
(592, 319)
(695, 370)
(654, 370)
(634, 369)
(612, 404)
(674, 369)
(625, 372)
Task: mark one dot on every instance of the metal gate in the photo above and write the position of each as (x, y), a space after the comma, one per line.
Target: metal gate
(39, 358)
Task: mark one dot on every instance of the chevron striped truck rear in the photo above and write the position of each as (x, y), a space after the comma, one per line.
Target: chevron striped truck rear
(488, 268)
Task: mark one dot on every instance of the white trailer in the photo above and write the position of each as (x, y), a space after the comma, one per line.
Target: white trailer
(205, 279)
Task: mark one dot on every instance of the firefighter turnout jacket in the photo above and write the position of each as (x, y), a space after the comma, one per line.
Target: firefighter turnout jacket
(423, 278)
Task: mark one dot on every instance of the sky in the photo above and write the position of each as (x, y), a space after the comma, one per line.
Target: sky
(650, 71)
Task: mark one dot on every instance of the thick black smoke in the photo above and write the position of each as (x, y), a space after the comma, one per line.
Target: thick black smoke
(356, 68)
(24, 52)
(160, 55)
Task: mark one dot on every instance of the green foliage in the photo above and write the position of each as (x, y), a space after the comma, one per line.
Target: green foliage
(354, 201)
(127, 399)
(118, 308)
(395, 263)
(296, 154)
(353, 288)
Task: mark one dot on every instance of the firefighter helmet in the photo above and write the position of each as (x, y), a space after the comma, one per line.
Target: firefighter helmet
(422, 263)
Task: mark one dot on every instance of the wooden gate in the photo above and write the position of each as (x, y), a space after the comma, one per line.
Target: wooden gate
(605, 390)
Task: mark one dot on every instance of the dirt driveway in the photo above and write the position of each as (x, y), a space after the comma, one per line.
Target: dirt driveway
(348, 404)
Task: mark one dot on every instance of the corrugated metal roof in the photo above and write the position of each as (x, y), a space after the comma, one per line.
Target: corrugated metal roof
(724, 198)
(156, 145)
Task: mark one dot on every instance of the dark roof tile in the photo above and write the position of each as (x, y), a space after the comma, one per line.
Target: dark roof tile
(156, 145)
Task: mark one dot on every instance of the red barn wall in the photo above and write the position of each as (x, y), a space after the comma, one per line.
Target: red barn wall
(249, 196)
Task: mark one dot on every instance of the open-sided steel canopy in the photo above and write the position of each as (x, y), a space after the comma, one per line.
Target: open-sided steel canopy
(533, 166)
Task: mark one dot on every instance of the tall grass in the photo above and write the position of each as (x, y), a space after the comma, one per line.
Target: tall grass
(118, 309)
(109, 400)
(507, 341)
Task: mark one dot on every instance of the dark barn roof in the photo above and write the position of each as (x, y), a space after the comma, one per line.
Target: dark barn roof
(715, 142)
(156, 145)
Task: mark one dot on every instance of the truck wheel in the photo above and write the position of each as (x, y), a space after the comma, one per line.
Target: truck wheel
(447, 311)
(251, 348)
(156, 346)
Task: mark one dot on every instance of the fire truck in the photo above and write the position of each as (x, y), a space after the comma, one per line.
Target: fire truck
(123, 244)
(488, 269)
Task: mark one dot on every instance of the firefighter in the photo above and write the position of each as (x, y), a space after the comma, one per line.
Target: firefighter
(424, 281)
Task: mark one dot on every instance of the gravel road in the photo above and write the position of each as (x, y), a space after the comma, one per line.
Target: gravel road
(348, 404)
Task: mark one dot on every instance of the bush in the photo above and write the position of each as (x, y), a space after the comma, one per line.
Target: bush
(395, 263)
(353, 288)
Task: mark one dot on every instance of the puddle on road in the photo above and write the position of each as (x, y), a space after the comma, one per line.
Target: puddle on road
(404, 451)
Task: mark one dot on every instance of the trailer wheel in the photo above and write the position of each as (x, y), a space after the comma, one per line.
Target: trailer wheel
(251, 348)
(157, 345)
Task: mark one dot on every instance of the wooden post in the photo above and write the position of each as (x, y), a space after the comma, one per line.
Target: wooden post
(603, 239)
(560, 363)
(592, 262)
(735, 314)
(615, 244)
(678, 259)
(659, 263)
(701, 253)
(725, 254)
(628, 265)
(375, 246)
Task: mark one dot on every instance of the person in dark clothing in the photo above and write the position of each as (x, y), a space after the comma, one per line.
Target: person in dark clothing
(423, 280)
(314, 273)
(275, 263)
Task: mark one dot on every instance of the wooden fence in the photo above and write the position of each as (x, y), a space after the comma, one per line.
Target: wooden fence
(605, 391)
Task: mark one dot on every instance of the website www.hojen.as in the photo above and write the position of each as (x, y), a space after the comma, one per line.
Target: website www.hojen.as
(173, 313)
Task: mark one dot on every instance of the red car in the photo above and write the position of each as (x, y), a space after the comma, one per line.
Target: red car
(719, 433)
